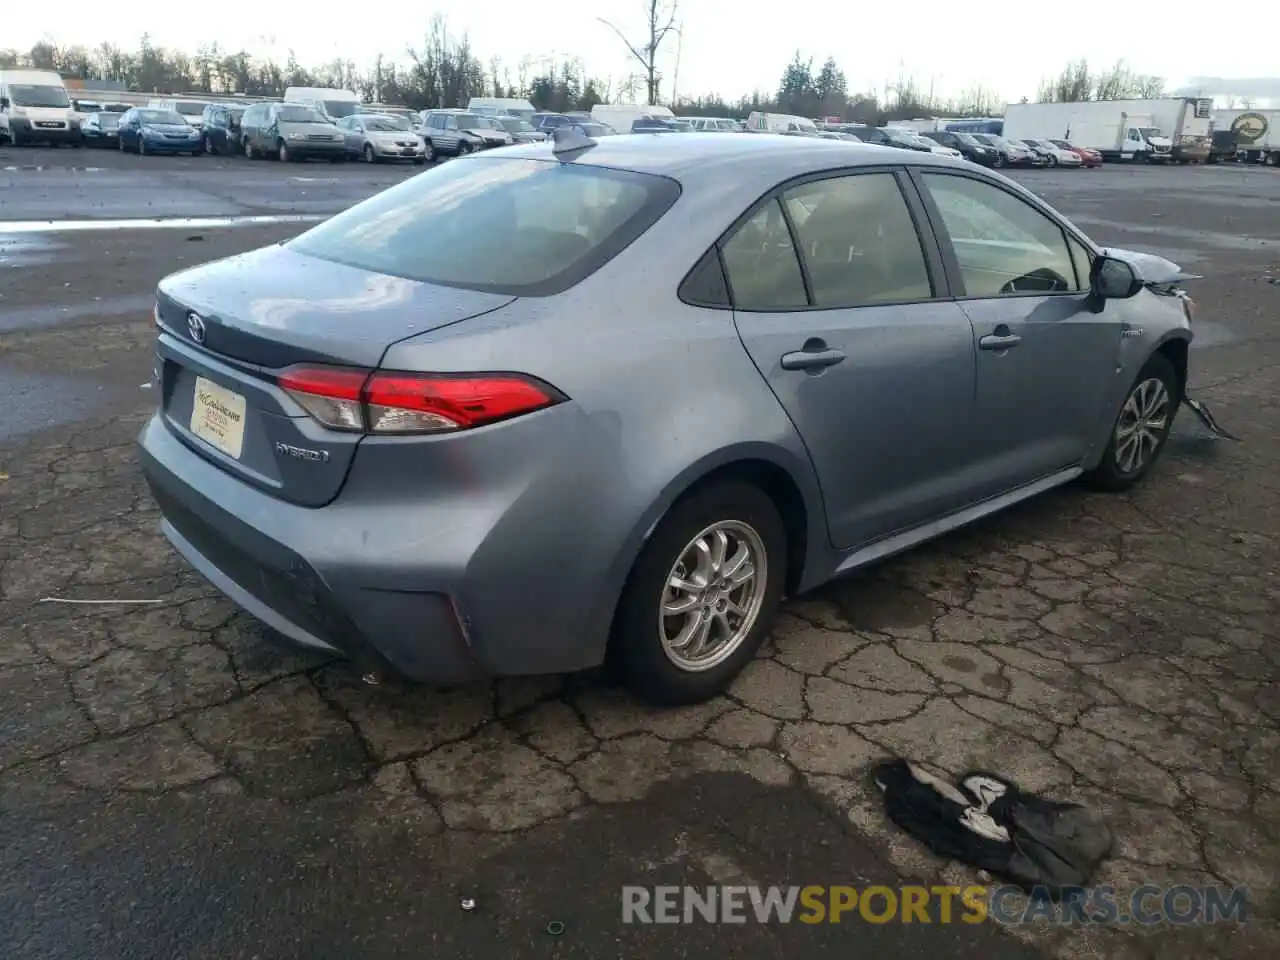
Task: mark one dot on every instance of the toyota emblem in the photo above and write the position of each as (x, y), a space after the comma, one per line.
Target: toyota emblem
(195, 327)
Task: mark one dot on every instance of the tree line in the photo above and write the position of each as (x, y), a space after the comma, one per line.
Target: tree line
(1078, 81)
(446, 71)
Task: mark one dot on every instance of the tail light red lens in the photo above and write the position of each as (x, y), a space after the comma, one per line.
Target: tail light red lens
(403, 403)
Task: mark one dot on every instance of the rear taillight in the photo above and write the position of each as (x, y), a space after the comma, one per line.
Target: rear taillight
(401, 403)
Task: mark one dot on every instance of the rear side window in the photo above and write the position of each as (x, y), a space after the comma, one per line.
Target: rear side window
(858, 241)
(521, 227)
(760, 259)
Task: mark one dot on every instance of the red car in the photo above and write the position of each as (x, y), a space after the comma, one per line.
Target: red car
(1089, 157)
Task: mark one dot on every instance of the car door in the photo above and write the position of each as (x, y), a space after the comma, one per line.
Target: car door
(352, 134)
(249, 125)
(1047, 356)
(452, 138)
(128, 130)
(841, 302)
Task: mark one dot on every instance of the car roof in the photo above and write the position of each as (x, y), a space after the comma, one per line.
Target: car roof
(758, 161)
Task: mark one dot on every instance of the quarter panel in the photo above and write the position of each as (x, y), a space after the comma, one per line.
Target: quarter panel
(660, 394)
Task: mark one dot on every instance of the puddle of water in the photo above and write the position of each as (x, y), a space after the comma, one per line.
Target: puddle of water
(34, 403)
(157, 223)
(26, 251)
(34, 166)
(38, 317)
(1200, 236)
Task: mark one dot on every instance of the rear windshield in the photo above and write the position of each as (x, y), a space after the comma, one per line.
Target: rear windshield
(559, 223)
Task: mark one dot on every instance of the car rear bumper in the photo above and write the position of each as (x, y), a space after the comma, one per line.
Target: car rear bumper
(288, 570)
(497, 571)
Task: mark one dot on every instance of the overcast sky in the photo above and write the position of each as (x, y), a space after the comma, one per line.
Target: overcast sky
(728, 47)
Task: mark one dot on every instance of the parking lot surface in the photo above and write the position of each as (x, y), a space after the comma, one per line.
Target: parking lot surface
(175, 783)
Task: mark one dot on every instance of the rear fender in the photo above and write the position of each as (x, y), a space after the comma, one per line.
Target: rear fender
(818, 561)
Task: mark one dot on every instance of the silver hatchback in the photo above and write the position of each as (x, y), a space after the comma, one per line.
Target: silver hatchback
(696, 374)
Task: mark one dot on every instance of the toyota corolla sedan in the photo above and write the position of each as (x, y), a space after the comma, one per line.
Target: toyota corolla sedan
(142, 131)
(694, 375)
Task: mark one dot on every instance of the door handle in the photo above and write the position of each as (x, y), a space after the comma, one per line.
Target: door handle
(816, 355)
(999, 341)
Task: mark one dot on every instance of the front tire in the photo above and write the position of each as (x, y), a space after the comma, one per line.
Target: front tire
(369, 156)
(429, 152)
(702, 595)
(282, 152)
(1142, 427)
(209, 147)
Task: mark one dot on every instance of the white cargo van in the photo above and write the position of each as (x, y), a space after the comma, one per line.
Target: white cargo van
(34, 107)
(332, 102)
(759, 122)
(498, 106)
(621, 116)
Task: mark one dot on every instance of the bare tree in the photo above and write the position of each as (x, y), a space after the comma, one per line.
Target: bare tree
(660, 18)
(1073, 84)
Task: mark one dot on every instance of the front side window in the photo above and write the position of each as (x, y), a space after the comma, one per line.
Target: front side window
(858, 241)
(1004, 245)
(559, 223)
(760, 260)
(1083, 260)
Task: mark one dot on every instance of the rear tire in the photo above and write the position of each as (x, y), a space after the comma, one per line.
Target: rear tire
(1145, 419)
(739, 617)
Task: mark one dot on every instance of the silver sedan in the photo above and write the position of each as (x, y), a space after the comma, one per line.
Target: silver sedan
(695, 375)
(375, 138)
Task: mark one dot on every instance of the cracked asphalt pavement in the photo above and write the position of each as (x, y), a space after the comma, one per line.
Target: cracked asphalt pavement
(174, 782)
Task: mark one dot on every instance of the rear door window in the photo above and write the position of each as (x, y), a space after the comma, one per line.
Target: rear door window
(760, 260)
(858, 241)
(558, 222)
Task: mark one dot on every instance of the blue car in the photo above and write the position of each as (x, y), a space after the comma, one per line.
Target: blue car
(158, 131)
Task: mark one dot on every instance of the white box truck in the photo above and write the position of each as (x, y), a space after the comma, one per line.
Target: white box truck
(621, 116)
(35, 107)
(1257, 133)
(332, 102)
(1113, 127)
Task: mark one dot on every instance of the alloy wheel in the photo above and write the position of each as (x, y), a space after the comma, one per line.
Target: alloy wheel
(1142, 424)
(713, 595)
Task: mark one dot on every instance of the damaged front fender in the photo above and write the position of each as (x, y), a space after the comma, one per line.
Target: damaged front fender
(1164, 278)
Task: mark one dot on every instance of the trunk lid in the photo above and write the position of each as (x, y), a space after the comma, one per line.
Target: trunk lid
(260, 312)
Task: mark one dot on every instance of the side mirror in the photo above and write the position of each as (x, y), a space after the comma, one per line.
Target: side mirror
(1114, 279)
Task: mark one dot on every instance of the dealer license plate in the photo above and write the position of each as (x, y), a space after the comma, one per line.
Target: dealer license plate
(217, 417)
